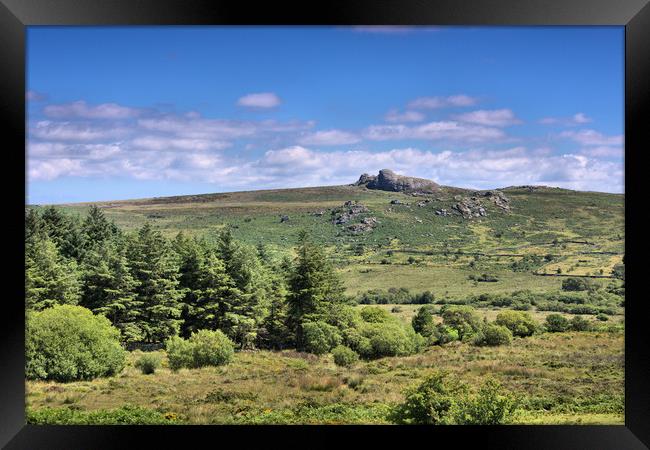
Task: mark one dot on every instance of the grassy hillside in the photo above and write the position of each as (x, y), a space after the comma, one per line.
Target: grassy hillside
(580, 233)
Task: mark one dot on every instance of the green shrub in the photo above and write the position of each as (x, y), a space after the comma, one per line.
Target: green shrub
(211, 348)
(203, 348)
(602, 317)
(344, 356)
(578, 284)
(443, 334)
(492, 335)
(580, 324)
(462, 318)
(148, 363)
(374, 314)
(430, 403)
(389, 339)
(518, 322)
(489, 407)
(556, 323)
(320, 337)
(67, 343)
(422, 322)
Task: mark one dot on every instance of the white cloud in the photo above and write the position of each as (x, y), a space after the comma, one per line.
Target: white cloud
(165, 143)
(593, 137)
(260, 100)
(81, 110)
(329, 137)
(493, 118)
(407, 116)
(442, 102)
(603, 152)
(434, 131)
(72, 131)
(576, 119)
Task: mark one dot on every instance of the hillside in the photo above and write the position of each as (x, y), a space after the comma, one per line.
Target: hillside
(449, 233)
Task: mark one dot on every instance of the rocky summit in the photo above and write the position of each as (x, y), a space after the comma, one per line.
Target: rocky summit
(387, 180)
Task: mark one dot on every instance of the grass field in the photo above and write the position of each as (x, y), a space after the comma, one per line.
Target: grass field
(563, 378)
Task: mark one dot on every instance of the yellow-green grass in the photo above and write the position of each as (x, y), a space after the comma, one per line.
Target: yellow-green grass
(560, 378)
(443, 281)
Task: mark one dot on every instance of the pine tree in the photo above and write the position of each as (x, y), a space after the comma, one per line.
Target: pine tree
(65, 231)
(313, 285)
(96, 228)
(110, 289)
(154, 266)
(50, 278)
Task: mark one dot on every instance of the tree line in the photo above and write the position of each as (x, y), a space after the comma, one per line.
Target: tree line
(152, 288)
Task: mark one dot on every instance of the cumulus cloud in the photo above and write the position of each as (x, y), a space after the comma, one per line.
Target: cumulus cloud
(576, 119)
(593, 137)
(261, 100)
(165, 143)
(450, 130)
(329, 137)
(442, 102)
(493, 118)
(80, 109)
(407, 116)
(75, 131)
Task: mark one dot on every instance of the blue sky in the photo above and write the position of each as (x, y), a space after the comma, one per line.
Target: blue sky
(131, 112)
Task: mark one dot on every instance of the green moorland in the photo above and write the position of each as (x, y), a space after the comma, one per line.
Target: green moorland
(516, 259)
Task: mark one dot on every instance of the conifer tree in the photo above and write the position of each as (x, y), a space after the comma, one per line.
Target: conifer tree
(154, 266)
(50, 278)
(65, 231)
(313, 285)
(109, 289)
(96, 228)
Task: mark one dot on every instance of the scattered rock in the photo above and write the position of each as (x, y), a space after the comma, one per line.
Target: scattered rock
(346, 212)
(387, 180)
(442, 212)
(470, 207)
(318, 213)
(367, 224)
(284, 219)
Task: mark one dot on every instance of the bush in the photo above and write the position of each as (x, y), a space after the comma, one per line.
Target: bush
(320, 337)
(580, 324)
(518, 322)
(148, 363)
(462, 318)
(556, 323)
(602, 317)
(489, 407)
(374, 314)
(492, 335)
(430, 403)
(203, 348)
(67, 343)
(396, 309)
(578, 284)
(125, 415)
(179, 353)
(344, 356)
(389, 339)
(422, 322)
(443, 334)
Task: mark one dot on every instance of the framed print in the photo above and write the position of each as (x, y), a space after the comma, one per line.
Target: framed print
(368, 220)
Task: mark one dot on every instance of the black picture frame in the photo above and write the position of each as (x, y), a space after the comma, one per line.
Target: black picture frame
(15, 15)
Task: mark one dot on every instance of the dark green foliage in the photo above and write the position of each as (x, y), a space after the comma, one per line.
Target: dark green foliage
(462, 318)
(422, 322)
(109, 288)
(602, 317)
(155, 268)
(491, 406)
(578, 284)
(432, 402)
(492, 335)
(148, 363)
(312, 285)
(580, 324)
(619, 271)
(96, 228)
(344, 356)
(65, 231)
(556, 323)
(203, 348)
(518, 322)
(50, 278)
(66, 343)
(443, 334)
